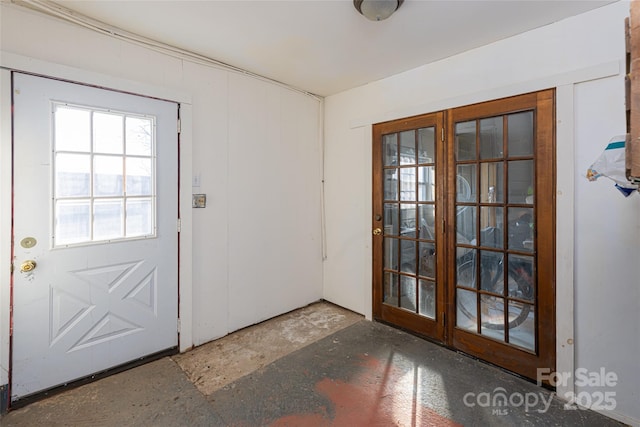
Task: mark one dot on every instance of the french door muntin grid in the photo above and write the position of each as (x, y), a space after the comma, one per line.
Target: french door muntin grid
(409, 215)
(495, 174)
(128, 152)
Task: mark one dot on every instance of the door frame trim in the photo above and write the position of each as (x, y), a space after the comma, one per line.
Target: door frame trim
(12, 62)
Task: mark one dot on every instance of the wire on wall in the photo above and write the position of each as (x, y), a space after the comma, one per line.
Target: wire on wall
(52, 9)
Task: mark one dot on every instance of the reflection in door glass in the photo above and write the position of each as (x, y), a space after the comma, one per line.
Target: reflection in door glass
(466, 141)
(390, 289)
(427, 184)
(408, 293)
(491, 138)
(391, 184)
(427, 298)
(407, 148)
(426, 145)
(494, 275)
(409, 191)
(390, 149)
(520, 133)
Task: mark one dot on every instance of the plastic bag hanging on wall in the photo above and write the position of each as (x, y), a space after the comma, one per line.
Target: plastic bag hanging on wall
(611, 164)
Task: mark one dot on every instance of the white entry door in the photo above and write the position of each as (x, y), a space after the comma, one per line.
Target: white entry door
(95, 243)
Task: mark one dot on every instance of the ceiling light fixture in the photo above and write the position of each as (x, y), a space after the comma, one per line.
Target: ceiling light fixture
(377, 10)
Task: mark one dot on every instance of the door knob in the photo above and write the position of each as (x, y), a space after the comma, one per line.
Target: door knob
(377, 231)
(27, 266)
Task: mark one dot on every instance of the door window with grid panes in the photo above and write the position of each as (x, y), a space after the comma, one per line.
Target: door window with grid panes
(103, 175)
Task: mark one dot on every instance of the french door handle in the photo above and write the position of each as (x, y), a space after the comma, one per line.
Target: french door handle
(377, 231)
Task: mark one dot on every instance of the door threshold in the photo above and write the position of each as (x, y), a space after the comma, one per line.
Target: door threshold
(27, 400)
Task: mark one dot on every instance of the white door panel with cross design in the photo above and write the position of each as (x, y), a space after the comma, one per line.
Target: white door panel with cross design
(95, 281)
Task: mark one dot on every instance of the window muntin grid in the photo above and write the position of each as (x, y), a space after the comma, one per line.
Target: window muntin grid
(103, 175)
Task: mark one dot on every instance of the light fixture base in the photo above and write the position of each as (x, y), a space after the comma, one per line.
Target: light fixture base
(377, 10)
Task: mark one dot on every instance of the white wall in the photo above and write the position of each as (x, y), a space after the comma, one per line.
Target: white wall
(607, 260)
(255, 251)
(587, 48)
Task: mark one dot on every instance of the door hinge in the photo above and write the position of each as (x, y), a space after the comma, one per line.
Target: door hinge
(179, 225)
(179, 126)
(179, 325)
(444, 226)
(442, 134)
(12, 268)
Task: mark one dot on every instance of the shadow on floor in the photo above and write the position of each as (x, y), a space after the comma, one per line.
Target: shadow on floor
(365, 374)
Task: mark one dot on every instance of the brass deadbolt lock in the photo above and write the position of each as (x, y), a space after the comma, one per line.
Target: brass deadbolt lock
(377, 231)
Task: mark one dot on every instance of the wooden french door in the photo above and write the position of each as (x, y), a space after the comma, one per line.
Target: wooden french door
(463, 224)
(408, 244)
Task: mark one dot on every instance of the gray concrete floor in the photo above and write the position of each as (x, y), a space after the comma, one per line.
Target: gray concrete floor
(317, 366)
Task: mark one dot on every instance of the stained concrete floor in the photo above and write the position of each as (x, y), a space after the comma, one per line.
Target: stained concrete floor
(317, 366)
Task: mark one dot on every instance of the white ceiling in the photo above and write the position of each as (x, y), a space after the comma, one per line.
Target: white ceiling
(325, 46)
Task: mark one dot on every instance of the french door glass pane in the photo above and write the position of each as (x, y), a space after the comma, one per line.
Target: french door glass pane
(466, 224)
(426, 183)
(466, 141)
(492, 272)
(408, 256)
(408, 184)
(390, 289)
(391, 225)
(491, 226)
(390, 149)
(522, 277)
(427, 262)
(391, 184)
(492, 316)
(408, 292)
(408, 220)
(520, 134)
(492, 182)
(520, 181)
(407, 148)
(426, 145)
(390, 254)
(427, 298)
(522, 334)
(467, 310)
(491, 138)
(426, 221)
(466, 183)
(520, 229)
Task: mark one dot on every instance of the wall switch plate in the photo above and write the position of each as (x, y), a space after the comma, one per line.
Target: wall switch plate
(199, 201)
(195, 180)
